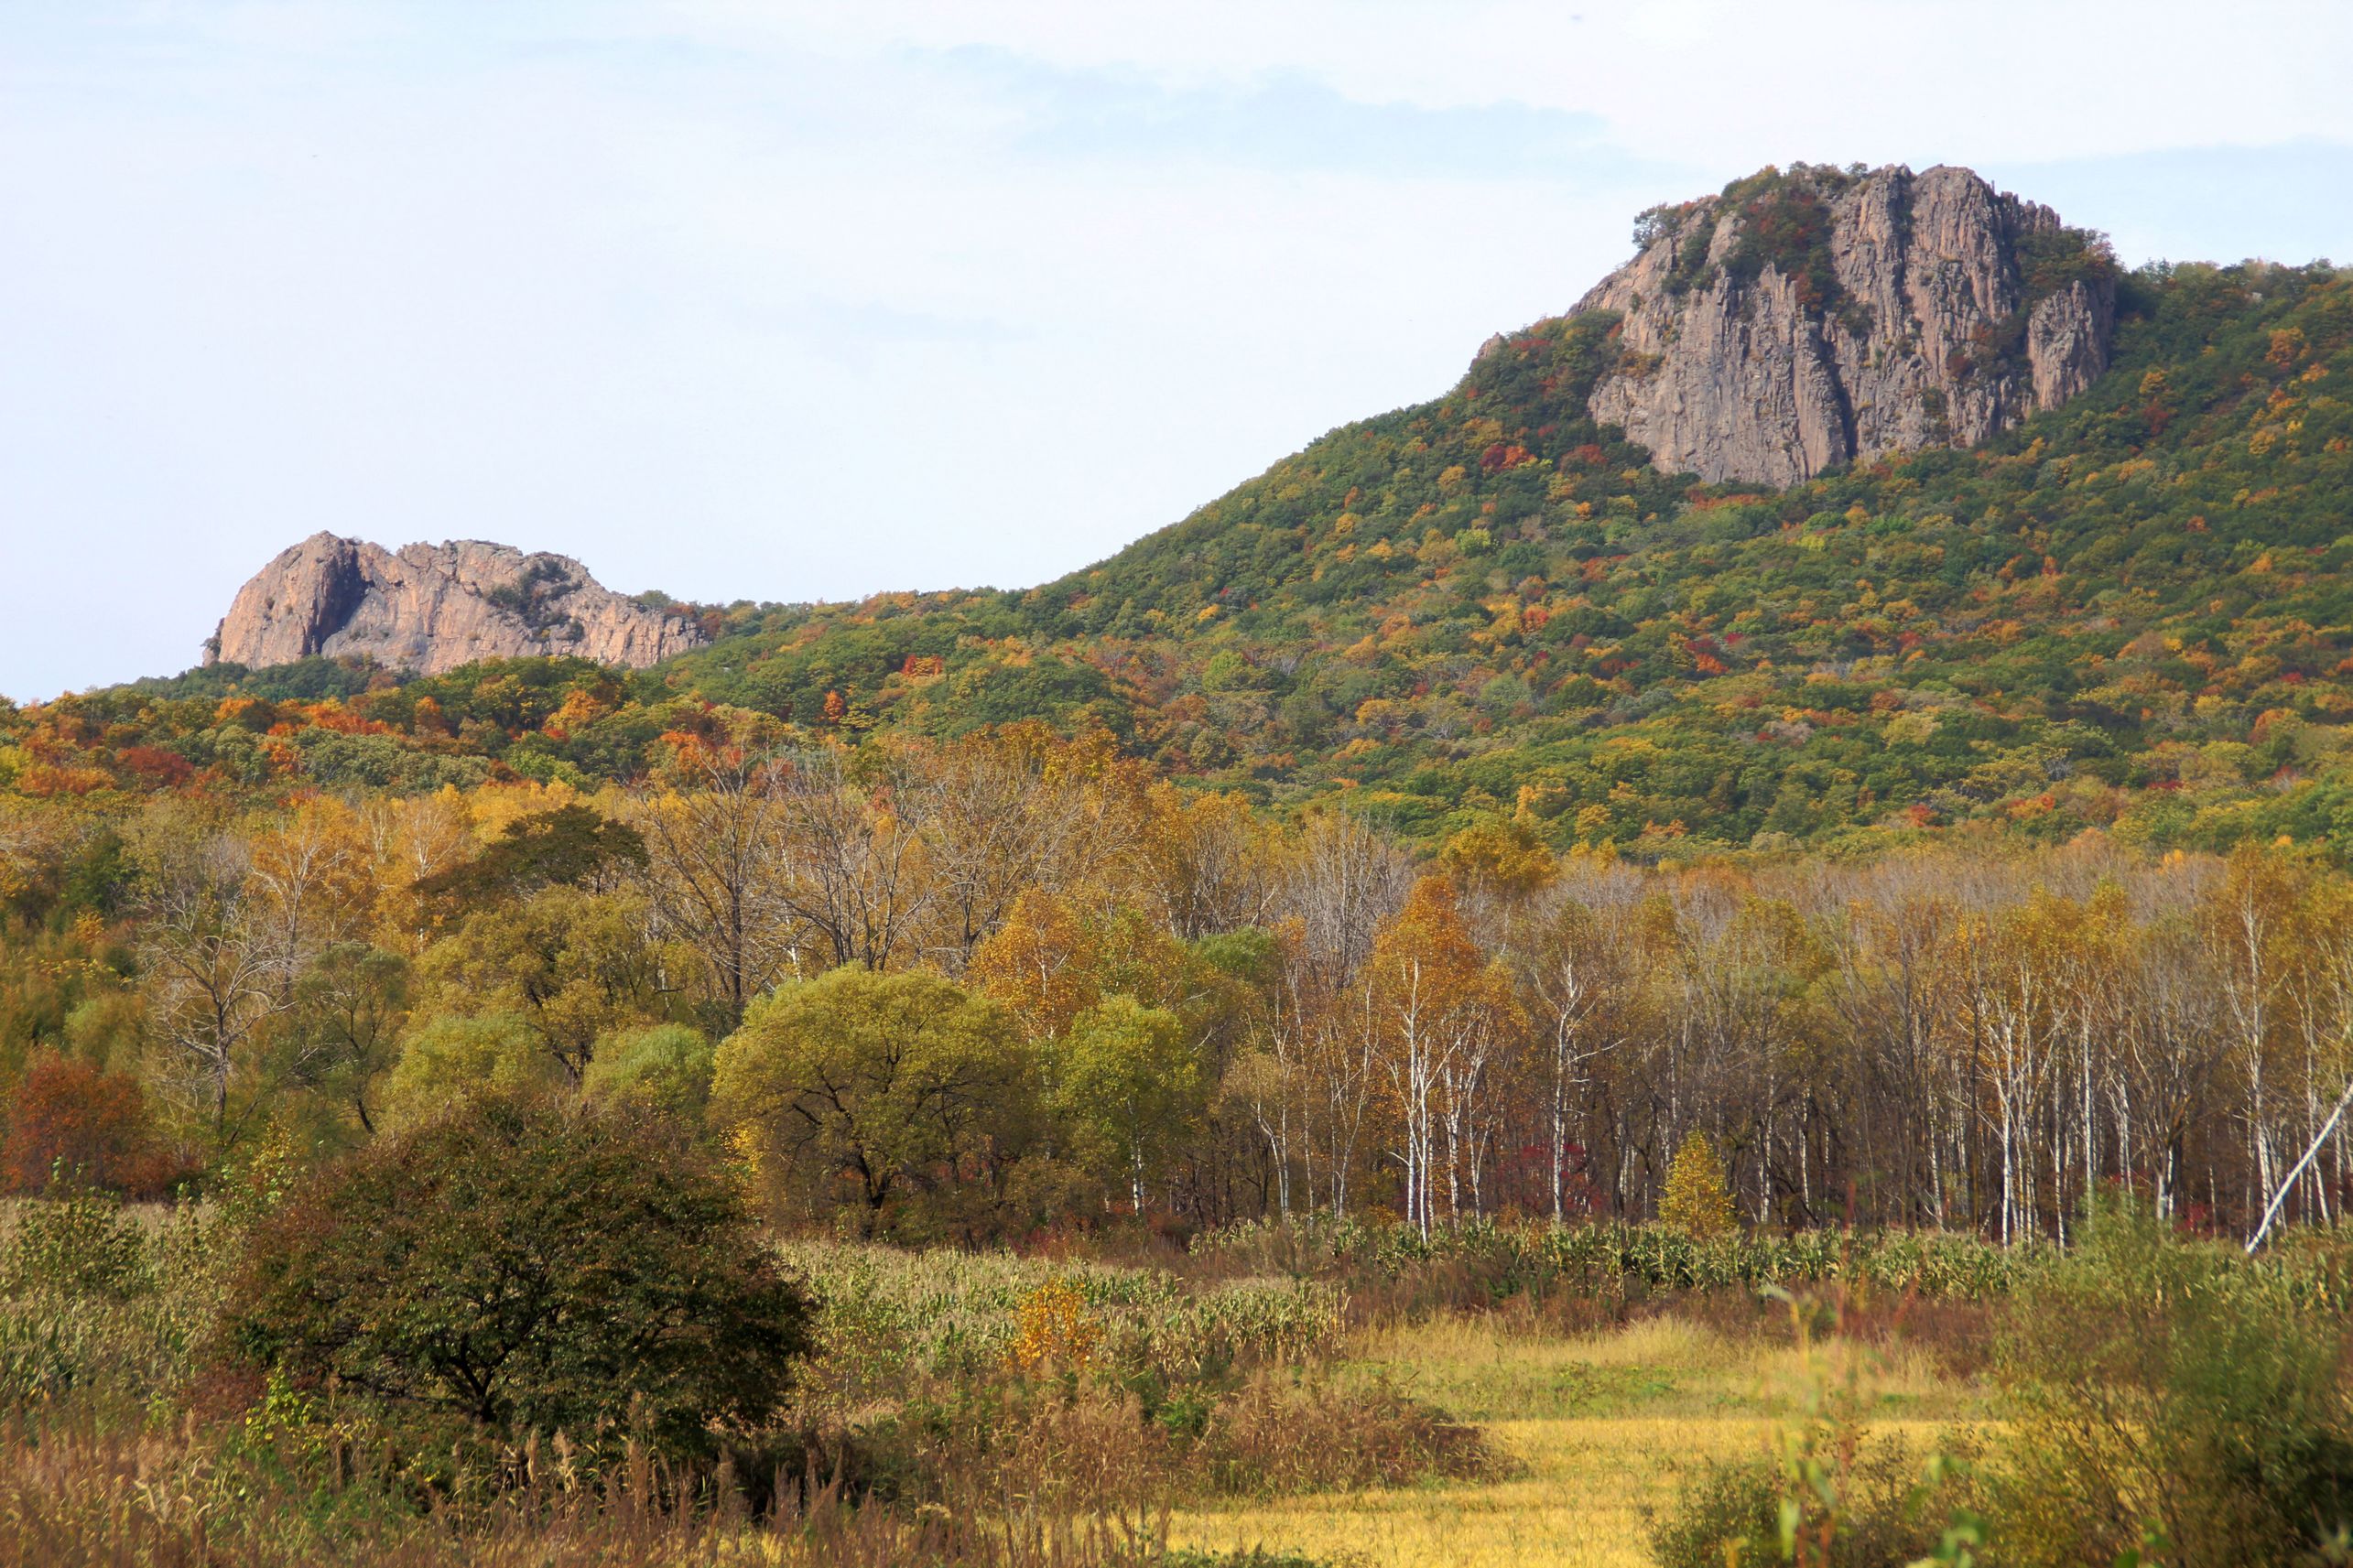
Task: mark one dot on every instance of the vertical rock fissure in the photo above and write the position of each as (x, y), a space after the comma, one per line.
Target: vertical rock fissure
(1861, 315)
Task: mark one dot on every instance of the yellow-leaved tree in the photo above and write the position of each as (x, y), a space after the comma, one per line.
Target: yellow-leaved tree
(1696, 1198)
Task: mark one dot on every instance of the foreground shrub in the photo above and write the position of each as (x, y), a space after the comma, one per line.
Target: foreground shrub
(1836, 1495)
(1074, 1445)
(528, 1268)
(2162, 1390)
(1873, 1514)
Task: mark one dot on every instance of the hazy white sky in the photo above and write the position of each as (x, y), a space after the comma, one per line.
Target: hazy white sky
(792, 301)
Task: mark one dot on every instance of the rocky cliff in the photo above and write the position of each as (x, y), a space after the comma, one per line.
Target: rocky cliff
(1802, 320)
(431, 607)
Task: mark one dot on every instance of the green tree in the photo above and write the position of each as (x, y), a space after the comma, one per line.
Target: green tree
(350, 1008)
(893, 1084)
(570, 964)
(447, 1060)
(570, 846)
(665, 1065)
(530, 1268)
(1127, 1088)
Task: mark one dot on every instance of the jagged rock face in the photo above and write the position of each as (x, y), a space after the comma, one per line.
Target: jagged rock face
(1926, 313)
(430, 608)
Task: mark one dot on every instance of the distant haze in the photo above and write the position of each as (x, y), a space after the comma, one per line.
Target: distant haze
(790, 301)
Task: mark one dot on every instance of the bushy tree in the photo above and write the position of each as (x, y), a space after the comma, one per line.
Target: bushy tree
(571, 965)
(882, 1085)
(1695, 1197)
(532, 1268)
(445, 1061)
(570, 846)
(1127, 1089)
(662, 1067)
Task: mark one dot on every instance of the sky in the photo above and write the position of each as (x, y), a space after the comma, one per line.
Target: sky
(792, 301)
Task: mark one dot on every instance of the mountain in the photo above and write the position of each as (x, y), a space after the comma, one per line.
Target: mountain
(432, 608)
(2131, 608)
(1799, 321)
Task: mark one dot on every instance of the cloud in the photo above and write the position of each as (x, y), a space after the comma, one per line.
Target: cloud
(1285, 122)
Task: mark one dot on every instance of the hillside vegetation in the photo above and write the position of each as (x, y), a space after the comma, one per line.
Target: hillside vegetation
(2131, 614)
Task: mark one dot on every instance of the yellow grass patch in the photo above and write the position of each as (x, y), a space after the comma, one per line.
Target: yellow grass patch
(1579, 1500)
(1598, 1428)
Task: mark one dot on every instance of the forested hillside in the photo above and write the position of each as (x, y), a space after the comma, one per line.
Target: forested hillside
(2130, 613)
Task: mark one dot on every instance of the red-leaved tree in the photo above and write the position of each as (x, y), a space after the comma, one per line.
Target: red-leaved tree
(70, 1123)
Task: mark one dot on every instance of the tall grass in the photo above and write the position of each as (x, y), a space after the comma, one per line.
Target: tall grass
(884, 1313)
(73, 1494)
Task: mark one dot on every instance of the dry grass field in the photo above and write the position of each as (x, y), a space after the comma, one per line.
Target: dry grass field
(1598, 1428)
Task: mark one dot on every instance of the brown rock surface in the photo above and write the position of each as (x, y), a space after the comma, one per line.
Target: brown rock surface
(430, 608)
(1931, 331)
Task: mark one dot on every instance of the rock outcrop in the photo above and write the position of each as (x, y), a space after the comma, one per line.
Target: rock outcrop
(430, 608)
(1818, 318)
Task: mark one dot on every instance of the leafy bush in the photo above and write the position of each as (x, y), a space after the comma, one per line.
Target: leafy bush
(530, 1270)
(1873, 1514)
(75, 1246)
(1836, 1495)
(2162, 1389)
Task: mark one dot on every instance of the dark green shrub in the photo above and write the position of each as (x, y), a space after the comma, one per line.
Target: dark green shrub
(528, 1268)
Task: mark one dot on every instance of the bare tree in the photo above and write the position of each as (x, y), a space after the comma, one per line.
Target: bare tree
(997, 819)
(216, 972)
(856, 840)
(1342, 880)
(1575, 974)
(718, 872)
